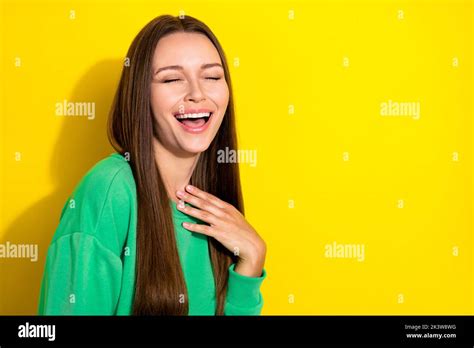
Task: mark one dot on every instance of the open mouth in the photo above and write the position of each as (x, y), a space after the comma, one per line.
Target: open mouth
(194, 120)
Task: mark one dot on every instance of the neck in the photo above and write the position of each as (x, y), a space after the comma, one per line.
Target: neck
(175, 171)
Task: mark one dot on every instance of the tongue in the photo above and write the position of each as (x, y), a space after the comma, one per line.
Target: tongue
(194, 123)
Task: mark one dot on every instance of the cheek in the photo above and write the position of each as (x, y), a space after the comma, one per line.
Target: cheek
(221, 96)
(161, 101)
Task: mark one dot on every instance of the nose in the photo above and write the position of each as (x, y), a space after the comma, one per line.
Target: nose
(195, 93)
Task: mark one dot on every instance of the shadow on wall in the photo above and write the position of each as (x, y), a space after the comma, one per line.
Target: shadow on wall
(81, 143)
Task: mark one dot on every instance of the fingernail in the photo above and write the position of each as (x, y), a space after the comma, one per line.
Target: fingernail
(181, 204)
(189, 188)
(179, 193)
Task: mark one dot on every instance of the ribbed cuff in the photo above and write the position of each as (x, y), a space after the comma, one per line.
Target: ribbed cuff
(244, 291)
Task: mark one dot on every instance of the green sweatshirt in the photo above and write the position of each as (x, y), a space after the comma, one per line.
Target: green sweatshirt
(90, 265)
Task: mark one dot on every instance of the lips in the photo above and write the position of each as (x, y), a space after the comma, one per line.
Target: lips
(194, 120)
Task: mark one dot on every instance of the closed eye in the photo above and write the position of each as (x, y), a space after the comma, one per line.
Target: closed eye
(207, 78)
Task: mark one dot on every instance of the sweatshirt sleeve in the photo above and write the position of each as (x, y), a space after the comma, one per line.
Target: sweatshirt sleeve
(82, 277)
(243, 294)
(84, 268)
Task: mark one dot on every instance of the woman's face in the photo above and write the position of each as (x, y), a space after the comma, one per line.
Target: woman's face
(189, 93)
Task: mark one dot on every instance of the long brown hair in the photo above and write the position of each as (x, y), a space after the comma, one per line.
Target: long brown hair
(160, 285)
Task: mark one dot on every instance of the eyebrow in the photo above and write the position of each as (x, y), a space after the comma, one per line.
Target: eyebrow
(179, 67)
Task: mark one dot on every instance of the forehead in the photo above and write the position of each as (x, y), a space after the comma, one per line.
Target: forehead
(186, 49)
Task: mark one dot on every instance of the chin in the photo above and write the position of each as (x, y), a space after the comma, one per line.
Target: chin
(195, 148)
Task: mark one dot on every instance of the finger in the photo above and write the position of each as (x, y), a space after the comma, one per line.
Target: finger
(203, 229)
(198, 213)
(200, 203)
(205, 196)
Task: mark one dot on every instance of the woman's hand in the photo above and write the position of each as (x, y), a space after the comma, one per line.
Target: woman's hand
(228, 226)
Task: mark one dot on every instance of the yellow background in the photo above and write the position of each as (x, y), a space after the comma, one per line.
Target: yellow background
(290, 54)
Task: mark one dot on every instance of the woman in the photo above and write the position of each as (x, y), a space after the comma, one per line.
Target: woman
(158, 228)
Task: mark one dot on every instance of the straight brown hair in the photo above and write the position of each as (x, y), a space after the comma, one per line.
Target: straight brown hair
(160, 287)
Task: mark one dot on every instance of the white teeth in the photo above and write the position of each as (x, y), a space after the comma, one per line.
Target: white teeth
(201, 114)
